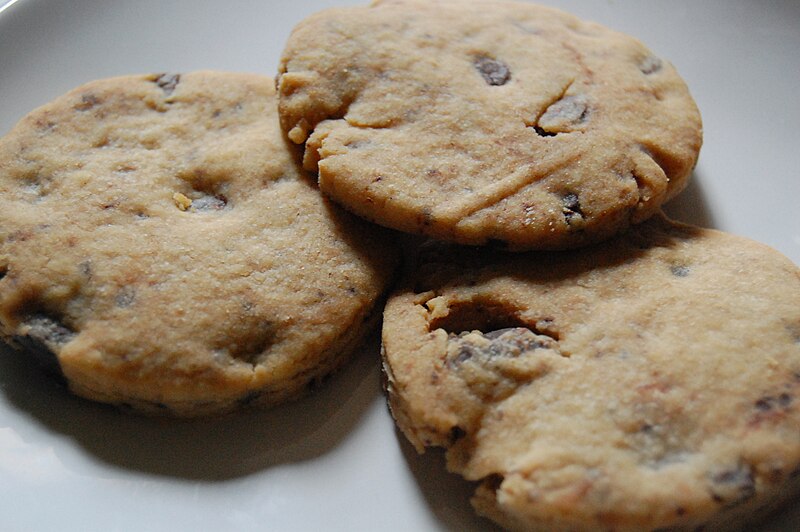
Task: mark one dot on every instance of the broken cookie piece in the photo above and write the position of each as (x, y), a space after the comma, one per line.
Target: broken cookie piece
(645, 383)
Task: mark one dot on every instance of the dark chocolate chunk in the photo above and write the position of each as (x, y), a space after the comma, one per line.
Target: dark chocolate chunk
(125, 297)
(88, 101)
(650, 65)
(494, 72)
(767, 403)
(508, 342)
(209, 203)
(571, 207)
(784, 400)
(465, 352)
(42, 337)
(571, 202)
(517, 340)
(567, 111)
(85, 268)
(168, 82)
(456, 433)
(679, 270)
(733, 486)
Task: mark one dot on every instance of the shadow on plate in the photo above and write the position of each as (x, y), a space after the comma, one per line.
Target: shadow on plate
(212, 449)
(691, 205)
(446, 494)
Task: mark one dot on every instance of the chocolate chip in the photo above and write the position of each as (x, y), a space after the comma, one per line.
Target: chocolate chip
(508, 342)
(465, 352)
(209, 203)
(45, 124)
(571, 202)
(767, 403)
(733, 486)
(494, 72)
(679, 271)
(764, 404)
(125, 297)
(650, 65)
(3, 272)
(88, 101)
(519, 338)
(42, 336)
(571, 207)
(85, 268)
(562, 116)
(456, 433)
(168, 82)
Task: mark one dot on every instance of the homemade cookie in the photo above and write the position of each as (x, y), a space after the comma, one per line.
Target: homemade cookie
(160, 246)
(652, 382)
(486, 121)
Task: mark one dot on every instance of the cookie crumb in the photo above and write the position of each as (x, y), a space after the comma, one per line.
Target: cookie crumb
(181, 201)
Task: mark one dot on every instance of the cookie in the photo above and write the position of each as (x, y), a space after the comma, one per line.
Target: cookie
(161, 247)
(651, 382)
(487, 122)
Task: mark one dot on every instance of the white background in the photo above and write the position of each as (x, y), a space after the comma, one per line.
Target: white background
(334, 461)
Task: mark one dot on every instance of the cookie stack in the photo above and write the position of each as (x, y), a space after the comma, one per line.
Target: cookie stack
(181, 244)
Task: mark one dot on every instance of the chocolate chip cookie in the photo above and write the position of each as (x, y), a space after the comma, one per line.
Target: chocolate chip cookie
(652, 382)
(161, 247)
(487, 122)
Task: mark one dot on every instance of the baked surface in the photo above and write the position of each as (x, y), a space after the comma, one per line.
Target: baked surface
(652, 381)
(487, 121)
(161, 246)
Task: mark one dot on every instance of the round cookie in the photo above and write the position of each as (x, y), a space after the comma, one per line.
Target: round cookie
(487, 121)
(649, 383)
(161, 246)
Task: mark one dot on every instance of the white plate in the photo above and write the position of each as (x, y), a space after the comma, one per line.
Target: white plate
(334, 460)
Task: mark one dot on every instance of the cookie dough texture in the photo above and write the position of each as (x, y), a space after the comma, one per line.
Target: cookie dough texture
(487, 121)
(161, 247)
(649, 383)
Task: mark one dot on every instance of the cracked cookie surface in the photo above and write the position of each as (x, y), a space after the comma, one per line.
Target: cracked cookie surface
(649, 382)
(486, 121)
(161, 247)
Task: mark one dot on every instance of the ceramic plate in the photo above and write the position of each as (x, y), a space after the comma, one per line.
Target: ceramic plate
(334, 461)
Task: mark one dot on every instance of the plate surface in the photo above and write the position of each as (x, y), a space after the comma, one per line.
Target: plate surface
(334, 461)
